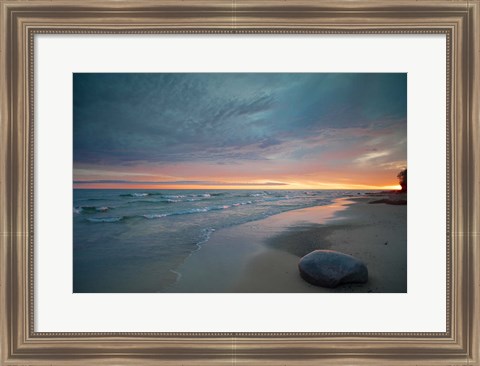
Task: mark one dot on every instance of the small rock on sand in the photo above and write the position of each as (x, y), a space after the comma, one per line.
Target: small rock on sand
(328, 268)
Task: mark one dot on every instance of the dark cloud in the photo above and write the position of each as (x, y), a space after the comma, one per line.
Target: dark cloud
(127, 119)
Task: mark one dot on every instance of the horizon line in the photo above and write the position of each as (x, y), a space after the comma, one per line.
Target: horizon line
(386, 188)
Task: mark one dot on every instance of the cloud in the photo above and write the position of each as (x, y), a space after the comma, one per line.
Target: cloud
(184, 182)
(186, 127)
(103, 172)
(367, 158)
(130, 118)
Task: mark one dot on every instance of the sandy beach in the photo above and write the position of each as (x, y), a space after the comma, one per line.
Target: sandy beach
(262, 256)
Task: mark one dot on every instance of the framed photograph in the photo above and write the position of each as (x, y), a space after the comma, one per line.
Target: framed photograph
(224, 182)
(243, 159)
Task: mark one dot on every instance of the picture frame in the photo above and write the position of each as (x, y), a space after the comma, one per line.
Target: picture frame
(21, 21)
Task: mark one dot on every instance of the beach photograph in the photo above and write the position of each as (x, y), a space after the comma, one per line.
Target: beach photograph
(239, 183)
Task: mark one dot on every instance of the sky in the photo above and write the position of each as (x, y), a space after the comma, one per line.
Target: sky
(239, 130)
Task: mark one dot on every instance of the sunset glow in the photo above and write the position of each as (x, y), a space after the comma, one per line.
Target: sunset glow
(239, 131)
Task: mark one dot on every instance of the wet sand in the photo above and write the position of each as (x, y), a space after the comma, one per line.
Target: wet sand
(262, 256)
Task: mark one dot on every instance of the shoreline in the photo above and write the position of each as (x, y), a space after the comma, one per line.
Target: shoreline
(218, 263)
(262, 256)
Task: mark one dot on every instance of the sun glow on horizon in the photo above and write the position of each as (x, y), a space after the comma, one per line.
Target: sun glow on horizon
(237, 186)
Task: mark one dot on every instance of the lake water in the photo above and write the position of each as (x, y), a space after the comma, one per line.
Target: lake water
(135, 240)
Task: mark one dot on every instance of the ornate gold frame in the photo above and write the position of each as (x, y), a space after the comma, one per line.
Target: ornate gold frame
(21, 20)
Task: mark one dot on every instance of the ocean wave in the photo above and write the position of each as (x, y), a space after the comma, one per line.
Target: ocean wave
(205, 236)
(184, 212)
(168, 197)
(165, 210)
(144, 202)
(90, 199)
(176, 196)
(276, 198)
(242, 203)
(106, 219)
(196, 210)
(154, 216)
(136, 194)
(154, 201)
(90, 209)
(190, 211)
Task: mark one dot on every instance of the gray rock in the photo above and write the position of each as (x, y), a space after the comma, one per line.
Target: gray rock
(328, 268)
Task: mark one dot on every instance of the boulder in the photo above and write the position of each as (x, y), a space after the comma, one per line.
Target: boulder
(328, 268)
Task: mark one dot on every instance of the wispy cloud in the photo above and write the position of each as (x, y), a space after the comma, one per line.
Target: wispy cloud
(367, 158)
(178, 182)
(89, 172)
